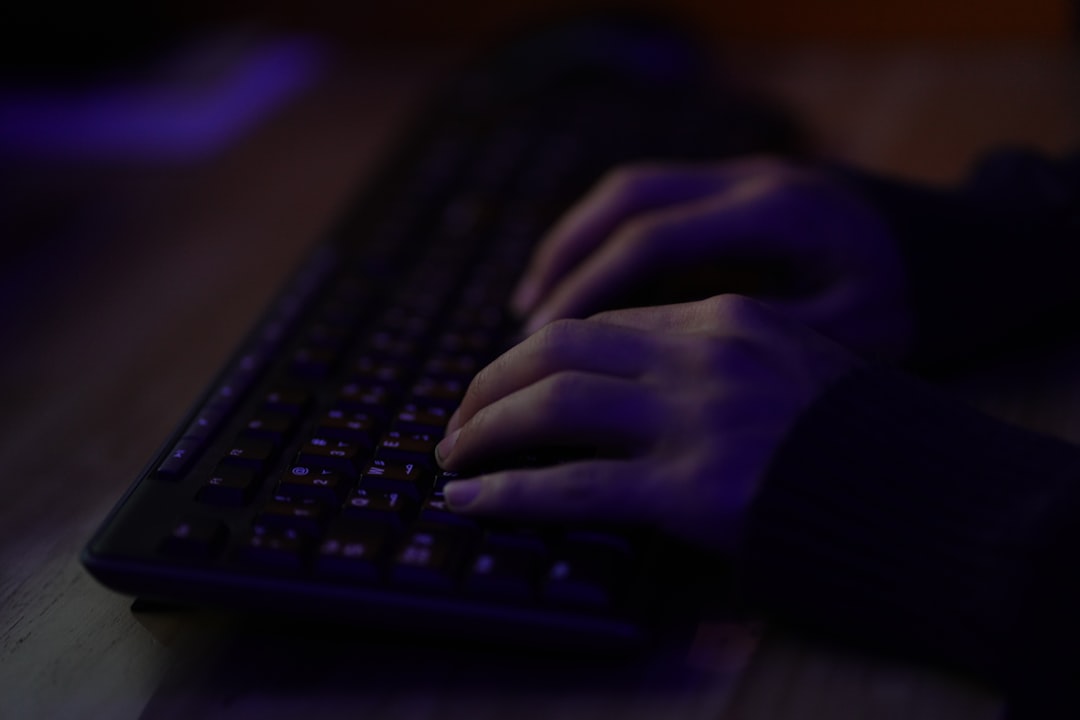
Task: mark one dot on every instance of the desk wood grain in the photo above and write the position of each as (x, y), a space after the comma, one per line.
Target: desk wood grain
(120, 314)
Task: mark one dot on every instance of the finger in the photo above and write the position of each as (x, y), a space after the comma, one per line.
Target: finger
(740, 222)
(565, 345)
(570, 408)
(709, 315)
(689, 317)
(593, 490)
(622, 194)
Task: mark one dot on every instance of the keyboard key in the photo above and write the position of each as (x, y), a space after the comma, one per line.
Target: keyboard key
(421, 418)
(444, 476)
(304, 515)
(386, 508)
(228, 393)
(429, 559)
(447, 393)
(410, 447)
(358, 427)
(195, 538)
(179, 458)
(354, 428)
(371, 399)
(273, 426)
(434, 512)
(503, 572)
(282, 550)
(319, 484)
(393, 345)
(369, 369)
(410, 479)
(205, 424)
(313, 362)
(402, 322)
(290, 401)
(352, 551)
(249, 452)
(585, 575)
(340, 456)
(229, 486)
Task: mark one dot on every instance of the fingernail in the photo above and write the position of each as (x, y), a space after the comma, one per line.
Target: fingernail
(460, 493)
(446, 446)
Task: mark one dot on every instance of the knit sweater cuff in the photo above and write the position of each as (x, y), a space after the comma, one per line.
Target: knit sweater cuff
(983, 261)
(896, 520)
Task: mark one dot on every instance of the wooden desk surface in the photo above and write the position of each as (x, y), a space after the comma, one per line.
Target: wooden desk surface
(133, 283)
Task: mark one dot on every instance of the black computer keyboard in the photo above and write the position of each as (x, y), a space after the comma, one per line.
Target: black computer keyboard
(304, 481)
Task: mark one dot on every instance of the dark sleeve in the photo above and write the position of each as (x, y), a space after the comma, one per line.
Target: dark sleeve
(999, 254)
(896, 520)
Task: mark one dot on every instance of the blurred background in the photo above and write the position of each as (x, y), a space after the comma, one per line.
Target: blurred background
(178, 80)
(45, 39)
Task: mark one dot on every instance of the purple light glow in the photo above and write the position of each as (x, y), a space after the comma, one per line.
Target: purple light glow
(155, 120)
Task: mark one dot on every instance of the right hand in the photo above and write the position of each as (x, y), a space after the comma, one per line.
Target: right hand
(687, 405)
(701, 228)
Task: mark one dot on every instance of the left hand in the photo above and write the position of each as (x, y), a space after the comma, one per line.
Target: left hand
(687, 404)
(798, 238)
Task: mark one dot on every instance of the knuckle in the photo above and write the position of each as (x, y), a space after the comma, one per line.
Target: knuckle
(479, 386)
(552, 342)
(557, 391)
(606, 316)
(734, 312)
(473, 428)
(557, 334)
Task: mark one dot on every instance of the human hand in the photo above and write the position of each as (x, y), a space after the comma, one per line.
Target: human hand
(796, 238)
(686, 404)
